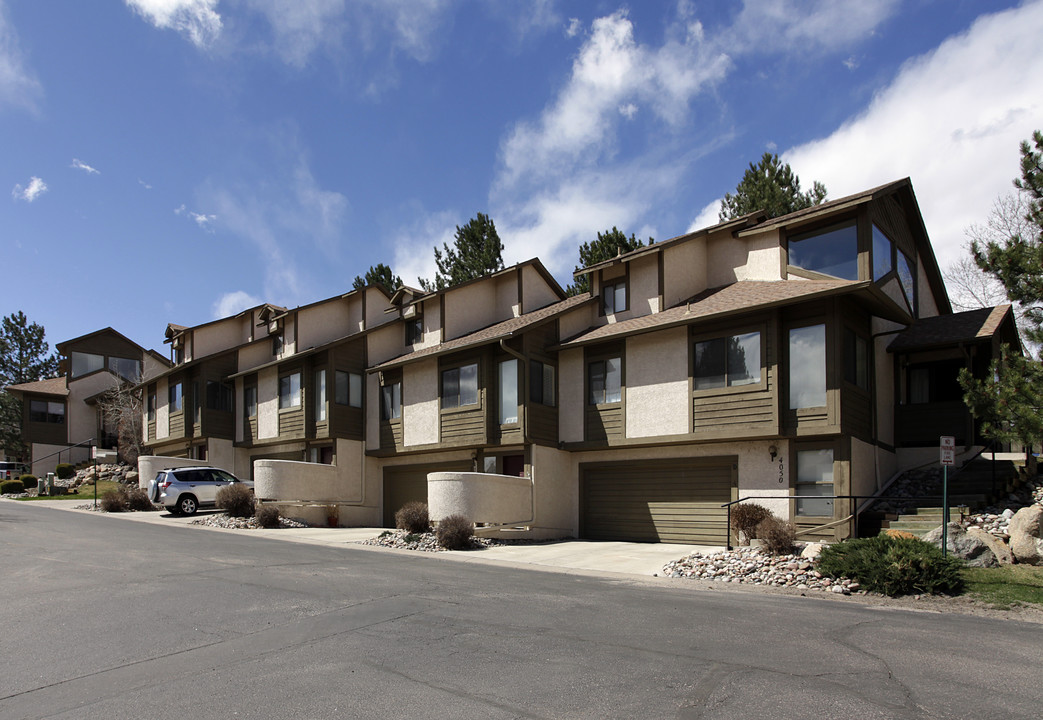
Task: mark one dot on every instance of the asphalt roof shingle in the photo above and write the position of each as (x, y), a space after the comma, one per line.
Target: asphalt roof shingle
(949, 329)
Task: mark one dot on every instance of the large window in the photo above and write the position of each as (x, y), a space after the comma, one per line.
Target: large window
(905, 275)
(150, 407)
(508, 405)
(460, 386)
(935, 382)
(348, 390)
(175, 397)
(605, 380)
(48, 412)
(814, 483)
(391, 401)
(250, 401)
(856, 359)
(541, 383)
(125, 367)
(807, 367)
(290, 391)
(831, 251)
(728, 362)
(84, 363)
(883, 262)
(218, 396)
(614, 297)
(320, 396)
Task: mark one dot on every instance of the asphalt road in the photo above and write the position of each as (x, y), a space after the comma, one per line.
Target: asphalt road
(105, 618)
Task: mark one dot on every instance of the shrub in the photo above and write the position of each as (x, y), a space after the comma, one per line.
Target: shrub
(778, 535)
(893, 566)
(746, 517)
(64, 471)
(114, 501)
(29, 481)
(137, 499)
(454, 532)
(11, 487)
(413, 517)
(236, 500)
(267, 516)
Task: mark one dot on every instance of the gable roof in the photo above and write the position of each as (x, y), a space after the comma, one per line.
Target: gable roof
(60, 347)
(50, 386)
(739, 297)
(492, 333)
(948, 330)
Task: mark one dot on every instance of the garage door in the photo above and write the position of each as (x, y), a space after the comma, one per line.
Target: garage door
(676, 501)
(409, 483)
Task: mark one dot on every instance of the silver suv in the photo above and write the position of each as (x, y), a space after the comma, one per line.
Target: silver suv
(184, 490)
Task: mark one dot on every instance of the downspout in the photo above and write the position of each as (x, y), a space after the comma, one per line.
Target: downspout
(873, 404)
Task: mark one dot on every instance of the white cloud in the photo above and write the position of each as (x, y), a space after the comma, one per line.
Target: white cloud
(78, 165)
(574, 27)
(415, 241)
(203, 220)
(628, 110)
(195, 19)
(30, 192)
(144, 184)
(951, 120)
(18, 87)
(233, 303)
(774, 25)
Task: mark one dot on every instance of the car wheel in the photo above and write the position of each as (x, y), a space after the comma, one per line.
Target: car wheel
(187, 505)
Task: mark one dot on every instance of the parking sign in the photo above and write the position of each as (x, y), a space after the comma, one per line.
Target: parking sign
(947, 450)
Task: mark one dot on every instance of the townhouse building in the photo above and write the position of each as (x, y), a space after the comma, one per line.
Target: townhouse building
(792, 359)
(61, 415)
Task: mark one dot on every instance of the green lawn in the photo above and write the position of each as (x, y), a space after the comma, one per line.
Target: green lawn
(1006, 585)
(86, 492)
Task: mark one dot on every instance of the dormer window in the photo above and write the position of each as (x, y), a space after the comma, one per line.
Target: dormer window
(830, 251)
(614, 297)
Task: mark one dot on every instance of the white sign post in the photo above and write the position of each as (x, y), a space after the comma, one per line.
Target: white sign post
(947, 457)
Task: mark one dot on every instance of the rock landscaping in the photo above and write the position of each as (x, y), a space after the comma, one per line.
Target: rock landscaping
(425, 542)
(251, 523)
(753, 566)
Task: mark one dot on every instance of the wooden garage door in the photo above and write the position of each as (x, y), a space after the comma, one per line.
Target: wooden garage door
(675, 501)
(409, 483)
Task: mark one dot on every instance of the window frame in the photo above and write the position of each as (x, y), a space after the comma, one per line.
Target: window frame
(809, 323)
(850, 332)
(414, 328)
(395, 388)
(73, 375)
(803, 234)
(604, 359)
(457, 368)
(320, 390)
(173, 407)
(350, 396)
(291, 407)
(541, 382)
(795, 484)
(615, 284)
(700, 337)
(49, 417)
(249, 390)
(500, 395)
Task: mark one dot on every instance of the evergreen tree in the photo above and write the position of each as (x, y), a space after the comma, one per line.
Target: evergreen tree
(476, 252)
(608, 245)
(1009, 399)
(379, 273)
(771, 186)
(24, 357)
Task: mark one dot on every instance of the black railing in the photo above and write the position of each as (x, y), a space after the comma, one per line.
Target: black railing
(853, 514)
(68, 448)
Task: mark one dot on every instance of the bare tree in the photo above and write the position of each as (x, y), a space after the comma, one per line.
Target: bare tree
(121, 409)
(970, 287)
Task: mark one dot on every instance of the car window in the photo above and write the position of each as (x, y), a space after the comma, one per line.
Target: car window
(193, 476)
(222, 476)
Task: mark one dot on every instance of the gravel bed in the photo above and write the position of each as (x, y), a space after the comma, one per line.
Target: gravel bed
(752, 566)
(231, 523)
(425, 542)
(995, 519)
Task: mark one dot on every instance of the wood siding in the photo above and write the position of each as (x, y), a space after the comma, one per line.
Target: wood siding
(177, 424)
(459, 426)
(604, 422)
(291, 424)
(391, 435)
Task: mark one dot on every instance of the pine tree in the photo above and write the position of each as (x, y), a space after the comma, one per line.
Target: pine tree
(24, 357)
(476, 252)
(379, 273)
(1009, 399)
(770, 186)
(608, 245)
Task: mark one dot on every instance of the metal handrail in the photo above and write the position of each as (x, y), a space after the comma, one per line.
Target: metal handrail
(88, 442)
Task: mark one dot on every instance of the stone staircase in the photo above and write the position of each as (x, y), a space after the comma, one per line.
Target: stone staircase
(976, 484)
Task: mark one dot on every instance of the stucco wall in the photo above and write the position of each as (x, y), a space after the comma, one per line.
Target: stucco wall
(151, 367)
(420, 403)
(507, 304)
(764, 258)
(480, 497)
(893, 289)
(724, 255)
(254, 354)
(576, 321)
(221, 453)
(570, 395)
(928, 306)
(290, 344)
(657, 384)
(556, 493)
(385, 343)
(324, 322)
(536, 293)
(215, 337)
(644, 286)
(149, 465)
(292, 481)
(162, 409)
(268, 403)
(40, 468)
(470, 308)
(82, 419)
(376, 304)
(684, 271)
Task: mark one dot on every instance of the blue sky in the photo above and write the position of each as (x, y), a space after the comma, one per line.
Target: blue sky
(178, 160)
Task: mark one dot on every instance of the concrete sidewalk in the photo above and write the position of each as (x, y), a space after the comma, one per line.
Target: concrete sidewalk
(570, 556)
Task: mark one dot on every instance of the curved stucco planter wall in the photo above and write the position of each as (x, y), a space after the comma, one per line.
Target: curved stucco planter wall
(149, 465)
(480, 497)
(290, 480)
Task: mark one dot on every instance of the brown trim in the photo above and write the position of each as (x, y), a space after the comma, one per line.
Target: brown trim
(661, 279)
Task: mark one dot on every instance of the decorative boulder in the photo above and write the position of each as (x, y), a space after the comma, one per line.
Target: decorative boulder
(970, 549)
(811, 551)
(1026, 535)
(996, 544)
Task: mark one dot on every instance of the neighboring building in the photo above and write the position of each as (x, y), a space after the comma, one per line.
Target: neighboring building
(792, 357)
(62, 415)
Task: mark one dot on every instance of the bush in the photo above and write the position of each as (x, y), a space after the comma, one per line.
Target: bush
(454, 532)
(11, 487)
(746, 517)
(267, 516)
(137, 499)
(778, 535)
(114, 501)
(413, 517)
(29, 481)
(893, 566)
(64, 471)
(236, 500)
